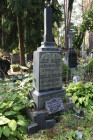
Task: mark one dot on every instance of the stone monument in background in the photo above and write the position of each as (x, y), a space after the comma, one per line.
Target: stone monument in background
(71, 56)
(47, 71)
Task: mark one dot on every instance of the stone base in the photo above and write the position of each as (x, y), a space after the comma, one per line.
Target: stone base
(42, 120)
(40, 98)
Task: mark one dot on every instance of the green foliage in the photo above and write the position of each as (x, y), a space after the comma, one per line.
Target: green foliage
(31, 13)
(66, 72)
(13, 101)
(70, 7)
(15, 66)
(82, 94)
(89, 67)
(87, 25)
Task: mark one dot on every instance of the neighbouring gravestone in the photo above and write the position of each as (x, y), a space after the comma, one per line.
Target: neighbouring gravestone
(47, 72)
(83, 52)
(4, 67)
(6, 56)
(71, 56)
(76, 79)
(91, 55)
(15, 58)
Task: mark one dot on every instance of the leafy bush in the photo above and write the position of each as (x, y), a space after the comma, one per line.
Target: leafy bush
(82, 94)
(15, 66)
(89, 67)
(13, 101)
(66, 72)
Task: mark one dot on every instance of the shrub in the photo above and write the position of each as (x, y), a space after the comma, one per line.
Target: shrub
(82, 94)
(13, 101)
(66, 72)
(89, 67)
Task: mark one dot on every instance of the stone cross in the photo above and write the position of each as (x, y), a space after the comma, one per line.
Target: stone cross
(82, 46)
(48, 24)
(71, 36)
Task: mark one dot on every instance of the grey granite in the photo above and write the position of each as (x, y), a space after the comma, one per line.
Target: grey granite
(48, 25)
(33, 128)
(54, 105)
(40, 98)
(50, 123)
(71, 58)
(47, 70)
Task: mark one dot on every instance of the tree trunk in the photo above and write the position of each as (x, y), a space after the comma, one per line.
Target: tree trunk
(90, 40)
(21, 41)
(66, 23)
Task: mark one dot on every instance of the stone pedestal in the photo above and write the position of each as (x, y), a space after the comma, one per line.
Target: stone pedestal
(40, 98)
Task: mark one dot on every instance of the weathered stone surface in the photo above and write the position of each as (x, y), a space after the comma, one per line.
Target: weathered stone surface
(76, 79)
(47, 71)
(33, 128)
(48, 25)
(40, 98)
(50, 123)
(54, 105)
(71, 58)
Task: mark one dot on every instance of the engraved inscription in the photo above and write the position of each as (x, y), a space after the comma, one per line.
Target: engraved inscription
(54, 105)
(50, 71)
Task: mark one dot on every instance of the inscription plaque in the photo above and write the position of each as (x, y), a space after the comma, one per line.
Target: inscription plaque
(54, 105)
(50, 71)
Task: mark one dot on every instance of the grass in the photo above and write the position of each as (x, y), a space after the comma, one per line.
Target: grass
(67, 129)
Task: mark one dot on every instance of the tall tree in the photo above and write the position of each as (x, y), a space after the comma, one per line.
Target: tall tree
(28, 14)
(68, 6)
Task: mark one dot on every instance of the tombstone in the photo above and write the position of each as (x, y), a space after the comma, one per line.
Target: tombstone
(76, 79)
(6, 56)
(83, 52)
(91, 55)
(15, 58)
(4, 67)
(71, 56)
(47, 71)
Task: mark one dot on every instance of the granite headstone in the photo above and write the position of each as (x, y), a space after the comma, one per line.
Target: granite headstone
(71, 56)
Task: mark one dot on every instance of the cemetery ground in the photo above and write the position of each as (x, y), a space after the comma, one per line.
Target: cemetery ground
(71, 125)
(13, 122)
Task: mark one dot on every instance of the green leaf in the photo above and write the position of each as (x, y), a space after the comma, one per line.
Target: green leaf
(23, 129)
(4, 120)
(9, 103)
(21, 123)
(6, 131)
(80, 100)
(0, 132)
(17, 108)
(3, 105)
(77, 105)
(14, 97)
(19, 135)
(74, 98)
(9, 113)
(12, 124)
(14, 133)
(20, 117)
